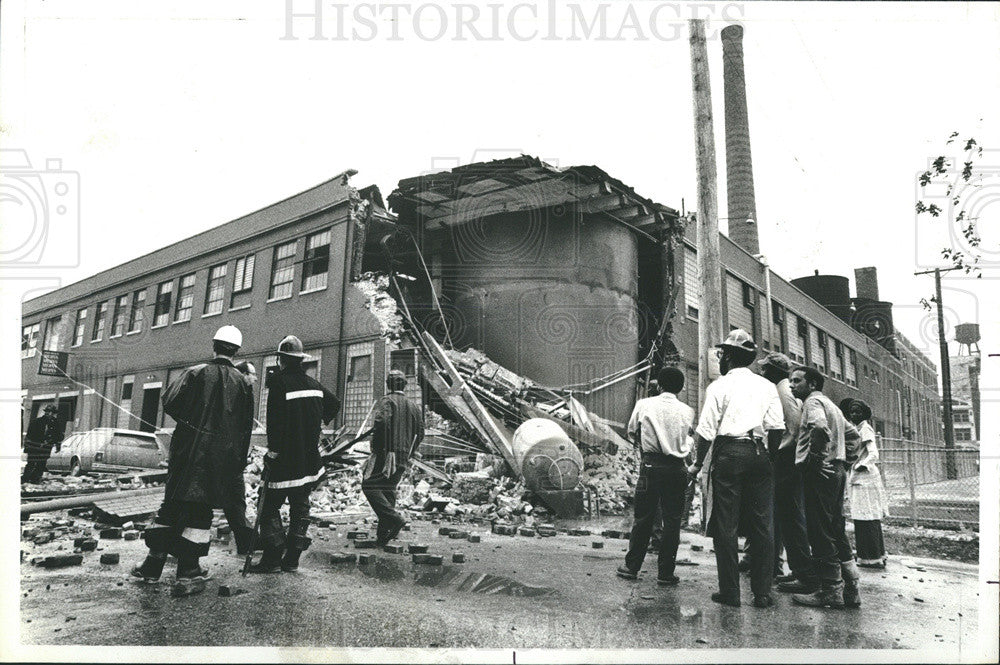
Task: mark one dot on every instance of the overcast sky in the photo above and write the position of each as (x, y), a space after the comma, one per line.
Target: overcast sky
(178, 119)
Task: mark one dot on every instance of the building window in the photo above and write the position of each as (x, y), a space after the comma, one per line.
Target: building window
(106, 412)
(164, 298)
(359, 388)
(100, 321)
(963, 435)
(138, 311)
(282, 271)
(52, 329)
(317, 261)
(216, 291)
(118, 316)
(852, 367)
(29, 340)
(81, 325)
(242, 282)
(740, 315)
(185, 299)
(269, 361)
(125, 413)
(778, 328)
(961, 417)
(692, 291)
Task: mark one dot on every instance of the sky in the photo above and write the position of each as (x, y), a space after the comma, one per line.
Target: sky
(171, 120)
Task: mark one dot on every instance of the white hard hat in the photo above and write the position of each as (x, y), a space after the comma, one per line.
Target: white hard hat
(229, 334)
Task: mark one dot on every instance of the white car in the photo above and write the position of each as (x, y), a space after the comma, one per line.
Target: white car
(108, 450)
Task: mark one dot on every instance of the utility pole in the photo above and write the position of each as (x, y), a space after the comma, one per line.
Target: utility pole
(709, 275)
(949, 425)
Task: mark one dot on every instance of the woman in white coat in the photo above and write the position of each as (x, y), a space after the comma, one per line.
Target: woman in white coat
(867, 493)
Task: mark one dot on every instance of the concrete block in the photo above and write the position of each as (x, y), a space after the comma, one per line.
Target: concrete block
(546, 531)
(526, 531)
(417, 548)
(395, 548)
(112, 533)
(357, 535)
(366, 559)
(131, 534)
(110, 558)
(61, 561)
(474, 538)
(85, 544)
(366, 544)
(457, 557)
(343, 557)
(458, 535)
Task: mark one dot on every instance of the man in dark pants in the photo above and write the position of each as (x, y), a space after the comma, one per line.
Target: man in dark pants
(789, 503)
(820, 453)
(662, 427)
(398, 430)
(44, 433)
(235, 507)
(739, 408)
(297, 407)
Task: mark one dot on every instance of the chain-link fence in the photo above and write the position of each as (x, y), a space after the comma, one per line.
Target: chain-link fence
(929, 485)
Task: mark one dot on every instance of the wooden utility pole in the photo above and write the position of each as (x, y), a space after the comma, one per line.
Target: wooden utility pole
(949, 425)
(709, 276)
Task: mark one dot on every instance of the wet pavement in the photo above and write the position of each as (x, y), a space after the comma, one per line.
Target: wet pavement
(512, 592)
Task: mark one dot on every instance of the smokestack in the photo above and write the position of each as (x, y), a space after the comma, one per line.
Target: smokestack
(739, 166)
(866, 282)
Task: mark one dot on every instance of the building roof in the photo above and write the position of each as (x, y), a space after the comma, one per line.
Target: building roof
(308, 202)
(478, 190)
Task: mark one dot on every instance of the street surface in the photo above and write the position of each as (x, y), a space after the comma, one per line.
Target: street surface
(554, 592)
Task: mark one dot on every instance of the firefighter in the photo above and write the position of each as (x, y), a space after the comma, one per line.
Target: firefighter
(44, 433)
(297, 405)
(213, 406)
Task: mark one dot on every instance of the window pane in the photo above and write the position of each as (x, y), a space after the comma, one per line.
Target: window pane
(185, 298)
(138, 311)
(164, 297)
(29, 340)
(118, 319)
(81, 324)
(99, 323)
(216, 289)
(317, 261)
(242, 282)
(282, 271)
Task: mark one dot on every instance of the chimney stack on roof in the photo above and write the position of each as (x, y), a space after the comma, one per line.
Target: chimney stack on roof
(739, 166)
(866, 283)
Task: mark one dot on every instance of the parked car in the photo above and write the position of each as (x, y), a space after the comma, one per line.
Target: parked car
(108, 450)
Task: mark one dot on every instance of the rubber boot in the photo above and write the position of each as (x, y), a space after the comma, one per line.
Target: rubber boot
(269, 563)
(831, 595)
(150, 569)
(852, 592)
(191, 578)
(290, 562)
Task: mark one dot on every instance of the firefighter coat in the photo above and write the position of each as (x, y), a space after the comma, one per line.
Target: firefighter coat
(297, 406)
(213, 406)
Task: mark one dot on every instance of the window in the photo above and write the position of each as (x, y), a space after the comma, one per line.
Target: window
(185, 299)
(778, 319)
(961, 417)
(852, 367)
(125, 413)
(106, 412)
(282, 271)
(269, 361)
(361, 368)
(100, 320)
(963, 435)
(164, 297)
(824, 348)
(740, 316)
(118, 317)
(840, 371)
(216, 291)
(242, 282)
(136, 316)
(52, 331)
(29, 340)
(81, 324)
(692, 291)
(317, 261)
(748, 300)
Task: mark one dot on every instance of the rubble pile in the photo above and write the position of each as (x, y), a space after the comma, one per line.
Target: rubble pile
(383, 307)
(611, 478)
(56, 485)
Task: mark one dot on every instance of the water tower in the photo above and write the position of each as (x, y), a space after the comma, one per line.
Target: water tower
(967, 336)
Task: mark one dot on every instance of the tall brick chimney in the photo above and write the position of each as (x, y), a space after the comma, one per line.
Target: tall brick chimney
(739, 166)
(866, 282)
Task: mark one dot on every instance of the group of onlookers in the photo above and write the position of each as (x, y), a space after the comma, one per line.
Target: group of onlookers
(786, 467)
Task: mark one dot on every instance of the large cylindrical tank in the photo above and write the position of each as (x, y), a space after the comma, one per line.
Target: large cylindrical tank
(831, 291)
(546, 457)
(551, 296)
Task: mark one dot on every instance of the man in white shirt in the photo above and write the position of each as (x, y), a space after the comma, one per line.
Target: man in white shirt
(739, 408)
(661, 426)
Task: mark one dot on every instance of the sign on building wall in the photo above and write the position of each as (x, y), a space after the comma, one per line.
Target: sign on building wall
(53, 363)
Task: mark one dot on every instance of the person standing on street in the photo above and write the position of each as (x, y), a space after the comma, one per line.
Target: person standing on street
(398, 430)
(740, 407)
(789, 503)
(235, 508)
(867, 493)
(44, 433)
(821, 452)
(297, 407)
(662, 426)
(213, 406)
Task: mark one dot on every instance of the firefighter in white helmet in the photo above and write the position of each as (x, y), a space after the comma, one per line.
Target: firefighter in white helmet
(213, 406)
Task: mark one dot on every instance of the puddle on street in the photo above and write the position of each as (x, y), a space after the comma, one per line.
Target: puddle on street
(452, 577)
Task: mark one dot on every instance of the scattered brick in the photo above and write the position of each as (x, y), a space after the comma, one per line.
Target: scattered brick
(458, 535)
(434, 559)
(61, 560)
(128, 525)
(131, 534)
(419, 557)
(458, 557)
(597, 544)
(44, 537)
(85, 544)
(366, 544)
(417, 548)
(365, 559)
(406, 527)
(526, 531)
(394, 548)
(226, 591)
(110, 558)
(579, 532)
(357, 535)
(546, 531)
(343, 557)
(474, 538)
(697, 548)
(223, 531)
(445, 531)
